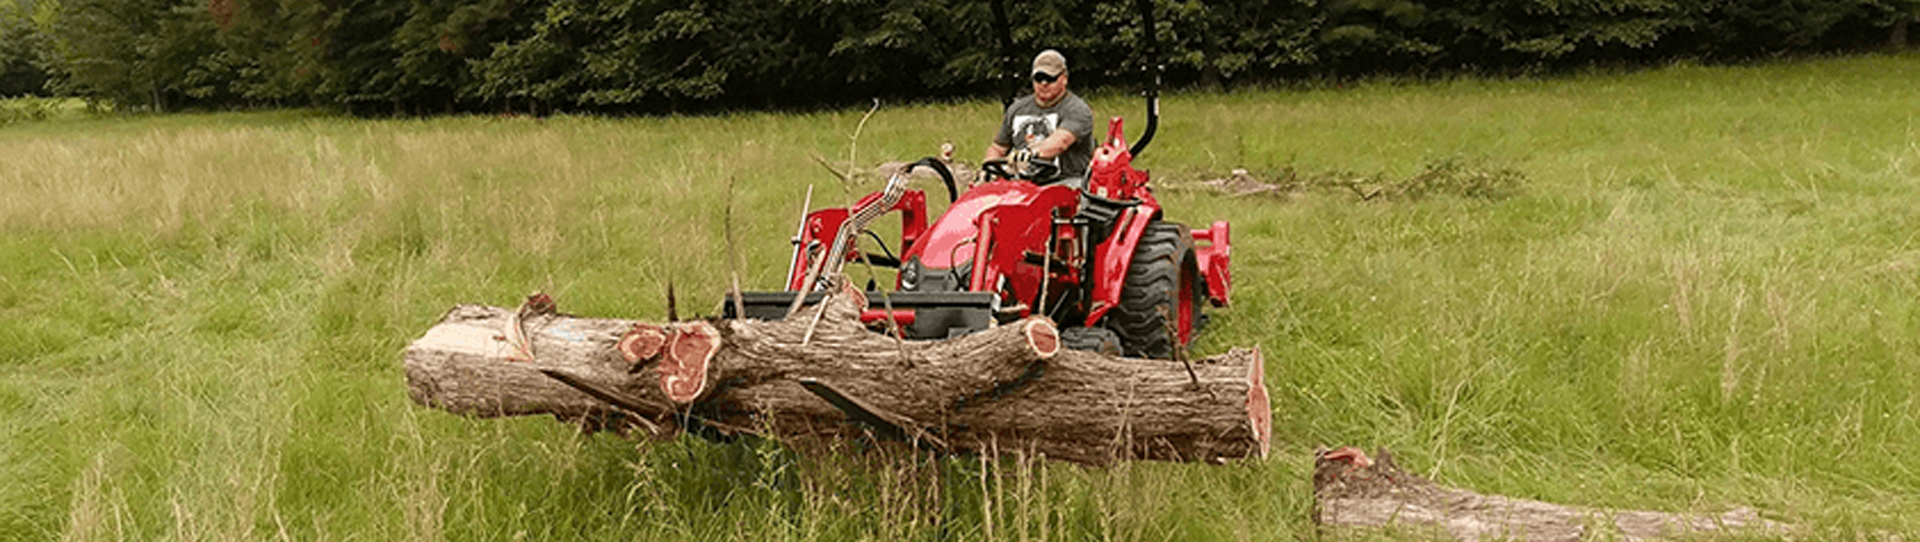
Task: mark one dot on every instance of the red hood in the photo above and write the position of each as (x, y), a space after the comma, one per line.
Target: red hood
(950, 240)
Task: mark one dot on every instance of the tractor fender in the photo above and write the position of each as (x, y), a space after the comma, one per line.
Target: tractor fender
(1114, 257)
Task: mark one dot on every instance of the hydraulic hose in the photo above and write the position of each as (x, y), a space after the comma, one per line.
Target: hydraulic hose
(1153, 90)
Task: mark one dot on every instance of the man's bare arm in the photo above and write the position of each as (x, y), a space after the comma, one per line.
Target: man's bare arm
(995, 151)
(1055, 144)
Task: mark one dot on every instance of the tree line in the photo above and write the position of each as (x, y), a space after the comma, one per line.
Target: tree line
(434, 56)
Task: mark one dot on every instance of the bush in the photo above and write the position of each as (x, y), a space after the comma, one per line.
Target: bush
(20, 110)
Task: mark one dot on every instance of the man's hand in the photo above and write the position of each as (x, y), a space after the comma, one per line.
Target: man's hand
(1022, 156)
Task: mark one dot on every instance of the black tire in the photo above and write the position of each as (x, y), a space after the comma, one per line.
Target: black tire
(1098, 340)
(1151, 301)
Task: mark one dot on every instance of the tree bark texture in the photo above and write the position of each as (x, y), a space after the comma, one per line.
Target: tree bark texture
(821, 373)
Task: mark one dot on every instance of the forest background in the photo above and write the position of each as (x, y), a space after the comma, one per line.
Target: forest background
(648, 56)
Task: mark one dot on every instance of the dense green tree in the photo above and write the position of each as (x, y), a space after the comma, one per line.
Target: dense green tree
(440, 39)
(1896, 16)
(347, 54)
(1749, 27)
(426, 56)
(1531, 31)
(259, 54)
(626, 54)
(23, 48)
(136, 53)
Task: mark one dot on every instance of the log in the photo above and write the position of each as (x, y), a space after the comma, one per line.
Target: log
(915, 379)
(1095, 409)
(1083, 407)
(1353, 492)
(823, 374)
(984, 393)
(465, 365)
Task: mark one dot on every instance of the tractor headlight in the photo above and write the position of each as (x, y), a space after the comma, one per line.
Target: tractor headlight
(910, 275)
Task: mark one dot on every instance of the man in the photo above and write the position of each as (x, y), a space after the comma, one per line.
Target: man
(1052, 123)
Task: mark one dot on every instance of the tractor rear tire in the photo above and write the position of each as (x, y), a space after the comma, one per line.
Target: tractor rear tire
(1098, 340)
(1162, 285)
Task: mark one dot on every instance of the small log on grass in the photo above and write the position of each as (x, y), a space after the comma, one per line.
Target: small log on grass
(1355, 492)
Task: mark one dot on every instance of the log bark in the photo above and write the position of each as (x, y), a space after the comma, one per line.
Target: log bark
(823, 374)
(913, 379)
(1096, 409)
(1355, 492)
(466, 365)
(1083, 407)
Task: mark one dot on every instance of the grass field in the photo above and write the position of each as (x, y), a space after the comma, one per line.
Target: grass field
(1699, 294)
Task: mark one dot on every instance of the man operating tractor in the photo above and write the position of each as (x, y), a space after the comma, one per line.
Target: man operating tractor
(1051, 126)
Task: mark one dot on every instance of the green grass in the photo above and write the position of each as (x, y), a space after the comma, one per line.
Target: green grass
(1700, 296)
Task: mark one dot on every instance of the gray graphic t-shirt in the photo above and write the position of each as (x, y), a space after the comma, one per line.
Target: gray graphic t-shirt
(1027, 124)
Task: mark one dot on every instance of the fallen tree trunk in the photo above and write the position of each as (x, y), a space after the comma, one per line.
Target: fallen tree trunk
(465, 365)
(1084, 407)
(1090, 408)
(1353, 491)
(822, 374)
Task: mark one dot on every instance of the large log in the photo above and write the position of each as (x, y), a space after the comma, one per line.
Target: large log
(823, 374)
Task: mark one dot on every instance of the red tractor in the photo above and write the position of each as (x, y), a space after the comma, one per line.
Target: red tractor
(1095, 255)
(1101, 261)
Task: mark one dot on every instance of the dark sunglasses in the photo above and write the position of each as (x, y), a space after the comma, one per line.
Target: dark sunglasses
(1044, 78)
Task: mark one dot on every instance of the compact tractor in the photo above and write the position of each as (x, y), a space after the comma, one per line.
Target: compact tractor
(1097, 255)
(1102, 261)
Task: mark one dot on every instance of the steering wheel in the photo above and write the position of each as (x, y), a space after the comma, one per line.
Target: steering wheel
(1043, 170)
(997, 168)
(1039, 170)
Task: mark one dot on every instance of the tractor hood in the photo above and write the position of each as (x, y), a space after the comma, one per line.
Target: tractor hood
(950, 241)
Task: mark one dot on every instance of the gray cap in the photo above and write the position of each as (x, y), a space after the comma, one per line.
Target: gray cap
(1050, 62)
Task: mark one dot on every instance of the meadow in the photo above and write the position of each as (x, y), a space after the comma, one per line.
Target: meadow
(1694, 291)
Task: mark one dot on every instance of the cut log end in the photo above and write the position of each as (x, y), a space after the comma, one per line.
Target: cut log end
(1043, 337)
(643, 342)
(683, 369)
(1259, 406)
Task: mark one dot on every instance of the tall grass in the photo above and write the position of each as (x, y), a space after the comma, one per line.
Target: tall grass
(1699, 296)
